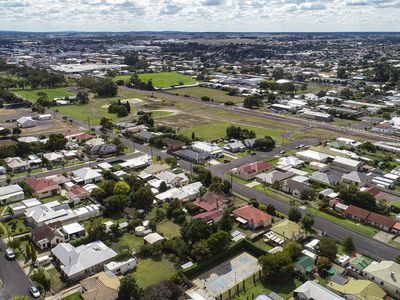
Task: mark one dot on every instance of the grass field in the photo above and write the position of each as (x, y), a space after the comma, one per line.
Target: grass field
(169, 229)
(360, 228)
(74, 296)
(56, 283)
(128, 240)
(31, 95)
(217, 130)
(161, 114)
(396, 204)
(150, 271)
(167, 79)
(216, 95)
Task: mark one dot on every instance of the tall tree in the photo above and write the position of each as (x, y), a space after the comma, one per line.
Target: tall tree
(129, 289)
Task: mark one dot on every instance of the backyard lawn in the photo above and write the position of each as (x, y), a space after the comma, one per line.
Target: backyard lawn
(17, 226)
(168, 229)
(128, 240)
(167, 79)
(215, 94)
(283, 289)
(56, 283)
(31, 95)
(150, 271)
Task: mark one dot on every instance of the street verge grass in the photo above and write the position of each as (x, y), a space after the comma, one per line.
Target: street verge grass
(360, 228)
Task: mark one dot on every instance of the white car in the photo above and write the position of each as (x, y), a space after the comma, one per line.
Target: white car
(10, 254)
(34, 292)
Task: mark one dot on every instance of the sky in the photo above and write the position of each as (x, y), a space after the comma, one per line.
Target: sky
(200, 15)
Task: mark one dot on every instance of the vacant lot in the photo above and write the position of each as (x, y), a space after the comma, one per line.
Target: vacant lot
(216, 95)
(31, 95)
(167, 79)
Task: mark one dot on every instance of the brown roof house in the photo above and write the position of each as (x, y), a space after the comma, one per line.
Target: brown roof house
(211, 201)
(249, 171)
(101, 286)
(47, 236)
(43, 188)
(382, 222)
(252, 217)
(357, 214)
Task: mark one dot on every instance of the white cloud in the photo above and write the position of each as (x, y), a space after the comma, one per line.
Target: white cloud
(200, 15)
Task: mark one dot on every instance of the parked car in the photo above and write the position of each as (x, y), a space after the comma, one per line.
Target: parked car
(34, 292)
(282, 152)
(10, 254)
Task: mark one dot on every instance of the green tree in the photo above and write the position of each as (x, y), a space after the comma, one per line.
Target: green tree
(33, 253)
(294, 214)
(142, 198)
(349, 245)
(98, 194)
(28, 251)
(201, 250)
(265, 143)
(307, 222)
(164, 290)
(56, 142)
(163, 187)
(172, 161)
(42, 278)
(96, 230)
(83, 97)
(226, 222)
(277, 266)
(294, 249)
(218, 241)
(129, 289)
(327, 247)
(323, 265)
(195, 230)
(121, 188)
(271, 209)
(107, 88)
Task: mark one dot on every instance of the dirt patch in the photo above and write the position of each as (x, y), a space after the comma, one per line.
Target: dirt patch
(183, 121)
(55, 126)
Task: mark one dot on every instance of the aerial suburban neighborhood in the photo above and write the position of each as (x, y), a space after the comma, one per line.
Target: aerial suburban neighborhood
(221, 165)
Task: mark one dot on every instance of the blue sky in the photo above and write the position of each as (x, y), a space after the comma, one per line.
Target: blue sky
(200, 15)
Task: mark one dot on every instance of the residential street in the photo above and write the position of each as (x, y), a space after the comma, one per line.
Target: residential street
(15, 282)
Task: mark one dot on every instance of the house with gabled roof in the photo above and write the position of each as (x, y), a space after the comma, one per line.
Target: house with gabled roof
(252, 217)
(43, 188)
(249, 171)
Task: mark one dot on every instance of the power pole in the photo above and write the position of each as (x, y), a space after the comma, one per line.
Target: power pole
(88, 120)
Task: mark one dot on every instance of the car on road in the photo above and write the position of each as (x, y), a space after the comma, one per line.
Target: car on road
(10, 254)
(253, 153)
(34, 292)
(99, 159)
(282, 152)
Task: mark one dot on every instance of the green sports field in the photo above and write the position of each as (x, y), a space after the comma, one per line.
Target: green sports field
(31, 95)
(167, 79)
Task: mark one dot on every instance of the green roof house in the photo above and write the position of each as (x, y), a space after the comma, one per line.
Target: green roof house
(304, 265)
(386, 274)
(358, 289)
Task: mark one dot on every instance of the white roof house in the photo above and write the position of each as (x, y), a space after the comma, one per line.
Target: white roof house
(86, 175)
(311, 155)
(153, 238)
(53, 156)
(137, 162)
(72, 228)
(173, 179)
(212, 149)
(26, 122)
(346, 163)
(11, 193)
(76, 261)
(312, 290)
(185, 193)
(290, 161)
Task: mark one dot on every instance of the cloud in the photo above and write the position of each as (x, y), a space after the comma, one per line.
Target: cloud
(212, 2)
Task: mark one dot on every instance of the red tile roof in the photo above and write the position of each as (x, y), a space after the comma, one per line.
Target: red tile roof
(357, 212)
(209, 215)
(77, 192)
(255, 167)
(251, 213)
(381, 220)
(210, 201)
(396, 226)
(374, 191)
(42, 185)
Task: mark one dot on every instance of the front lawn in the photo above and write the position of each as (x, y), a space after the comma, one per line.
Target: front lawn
(74, 296)
(215, 94)
(150, 271)
(17, 226)
(56, 283)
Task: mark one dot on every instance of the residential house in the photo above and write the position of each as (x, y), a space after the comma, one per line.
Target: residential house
(210, 217)
(356, 178)
(172, 144)
(186, 193)
(211, 201)
(252, 217)
(76, 193)
(95, 142)
(53, 157)
(47, 236)
(249, 171)
(137, 162)
(16, 164)
(194, 156)
(314, 156)
(310, 290)
(304, 266)
(153, 238)
(234, 146)
(327, 178)
(357, 214)
(295, 188)
(172, 179)
(249, 143)
(101, 286)
(288, 230)
(78, 262)
(26, 122)
(213, 150)
(103, 150)
(384, 127)
(43, 188)
(288, 162)
(154, 169)
(34, 161)
(374, 191)
(357, 289)
(18, 209)
(380, 221)
(121, 267)
(274, 176)
(386, 274)
(346, 164)
(86, 175)
(11, 193)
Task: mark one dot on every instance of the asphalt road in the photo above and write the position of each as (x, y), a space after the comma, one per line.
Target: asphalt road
(15, 282)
